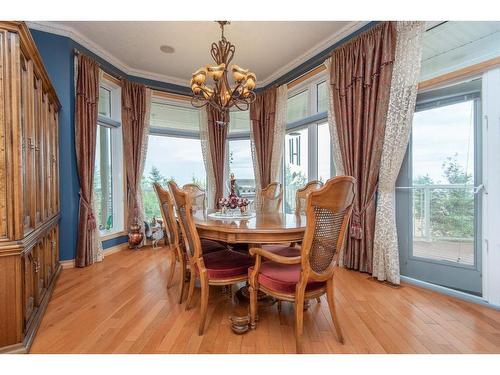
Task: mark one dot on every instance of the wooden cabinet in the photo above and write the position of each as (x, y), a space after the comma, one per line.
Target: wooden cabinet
(29, 188)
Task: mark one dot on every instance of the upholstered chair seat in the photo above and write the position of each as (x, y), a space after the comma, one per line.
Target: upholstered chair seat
(282, 278)
(226, 264)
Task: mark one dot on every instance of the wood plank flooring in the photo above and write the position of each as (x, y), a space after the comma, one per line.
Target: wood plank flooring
(122, 306)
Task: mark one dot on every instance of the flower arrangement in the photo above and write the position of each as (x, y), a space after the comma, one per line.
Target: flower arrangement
(233, 201)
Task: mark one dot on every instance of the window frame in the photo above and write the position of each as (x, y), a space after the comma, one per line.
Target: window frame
(117, 160)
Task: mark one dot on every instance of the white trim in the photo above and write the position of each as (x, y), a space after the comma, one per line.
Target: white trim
(449, 292)
(58, 29)
(67, 264)
(491, 182)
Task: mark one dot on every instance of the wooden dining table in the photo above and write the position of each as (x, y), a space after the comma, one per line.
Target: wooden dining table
(261, 229)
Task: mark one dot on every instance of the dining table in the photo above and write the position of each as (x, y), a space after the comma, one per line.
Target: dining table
(255, 229)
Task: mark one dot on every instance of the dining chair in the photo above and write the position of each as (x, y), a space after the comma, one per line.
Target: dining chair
(198, 196)
(309, 275)
(173, 238)
(271, 197)
(171, 234)
(223, 267)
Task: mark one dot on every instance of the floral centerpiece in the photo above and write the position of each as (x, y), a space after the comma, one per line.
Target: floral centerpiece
(232, 202)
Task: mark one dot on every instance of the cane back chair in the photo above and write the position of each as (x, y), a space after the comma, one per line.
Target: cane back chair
(271, 198)
(223, 267)
(198, 196)
(171, 235)
(174, 241)
(301, 196)
(309, 275)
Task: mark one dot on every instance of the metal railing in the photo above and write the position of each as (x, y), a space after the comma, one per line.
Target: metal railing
(443, 212)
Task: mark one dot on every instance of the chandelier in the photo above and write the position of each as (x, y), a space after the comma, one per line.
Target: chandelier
(222, 95)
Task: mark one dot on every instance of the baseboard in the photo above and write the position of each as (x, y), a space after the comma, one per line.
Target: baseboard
(65, 264)
(450, 292)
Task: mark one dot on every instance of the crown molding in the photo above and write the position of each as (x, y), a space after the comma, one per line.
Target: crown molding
(76, 36)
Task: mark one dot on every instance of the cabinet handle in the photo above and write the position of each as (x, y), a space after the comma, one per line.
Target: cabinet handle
(31, 145)
(36, 266)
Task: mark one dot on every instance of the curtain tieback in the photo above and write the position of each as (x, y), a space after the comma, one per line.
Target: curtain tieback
(91, 222)
(356, 229)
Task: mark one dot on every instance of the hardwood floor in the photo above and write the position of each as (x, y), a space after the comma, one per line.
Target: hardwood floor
(122, 306)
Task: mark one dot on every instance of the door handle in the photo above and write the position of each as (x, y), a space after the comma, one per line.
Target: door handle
(478, 189)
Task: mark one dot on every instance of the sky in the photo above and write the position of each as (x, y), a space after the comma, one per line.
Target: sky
(443, 132)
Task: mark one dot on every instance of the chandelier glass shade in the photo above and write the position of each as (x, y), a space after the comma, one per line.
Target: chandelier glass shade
(220, 93)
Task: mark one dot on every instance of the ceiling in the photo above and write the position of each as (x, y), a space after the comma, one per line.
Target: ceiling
(270, 49)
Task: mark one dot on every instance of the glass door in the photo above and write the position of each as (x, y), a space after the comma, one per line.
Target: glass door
(439, 191)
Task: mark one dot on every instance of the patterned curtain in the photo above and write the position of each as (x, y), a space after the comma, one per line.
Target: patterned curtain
(217, 132)
(134, 129)
(279, 132)
(144, 153)
(397, 133)
(360, 80)
(87, 99)
(207, 158)
(262, 128)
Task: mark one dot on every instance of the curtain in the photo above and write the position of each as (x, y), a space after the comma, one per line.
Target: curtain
(87, 98)
(217, 123)
(134, 128)
(144, 153)
(207, 159)
(279, 132)
(360, 79)
(262, 128)
(397, 133)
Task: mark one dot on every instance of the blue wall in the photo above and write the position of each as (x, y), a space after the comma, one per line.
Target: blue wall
(58, 57)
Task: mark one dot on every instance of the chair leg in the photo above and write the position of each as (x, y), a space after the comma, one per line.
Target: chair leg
(279, 305)
(191, 290)
(171, 272)
(182, 282)
(253, 307)
(333, 312)
(204, 301)
(299, 319)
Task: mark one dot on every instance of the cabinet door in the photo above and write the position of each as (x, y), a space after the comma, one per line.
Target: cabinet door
(29, 286)
(28, 142)
(38, 125)
(40, 285)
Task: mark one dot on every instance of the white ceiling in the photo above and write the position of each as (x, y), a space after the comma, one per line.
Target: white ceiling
(270, 49)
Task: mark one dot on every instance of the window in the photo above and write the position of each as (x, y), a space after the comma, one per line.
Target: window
(296, 165)
(174, 151)
(239, 123)
(307, 151)
(240, 163)
(108, 167)
(322, 97)
(297, 107)
(324, 153)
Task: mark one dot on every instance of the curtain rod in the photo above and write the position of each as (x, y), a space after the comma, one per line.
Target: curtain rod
(107, 71)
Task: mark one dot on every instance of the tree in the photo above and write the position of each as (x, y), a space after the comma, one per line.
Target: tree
(451, 208)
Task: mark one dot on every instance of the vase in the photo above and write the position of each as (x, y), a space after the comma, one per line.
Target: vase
(135, 236)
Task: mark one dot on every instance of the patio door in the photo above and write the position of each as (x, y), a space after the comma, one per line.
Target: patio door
(439, 190)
